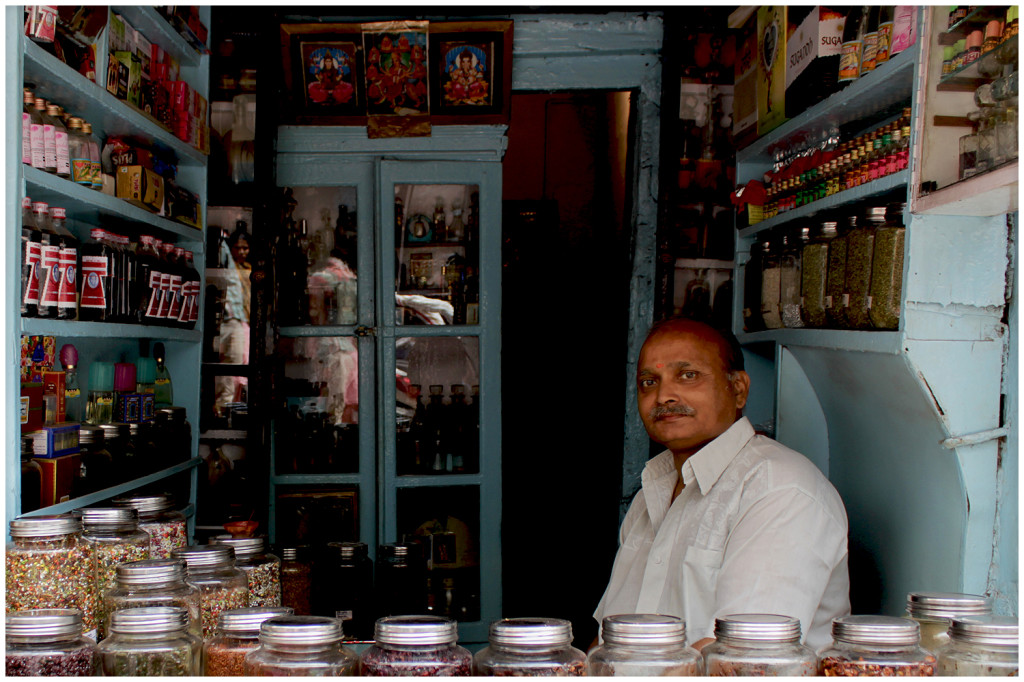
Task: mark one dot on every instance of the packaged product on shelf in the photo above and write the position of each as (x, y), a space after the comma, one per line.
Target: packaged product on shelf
(38, 354)
(812, 58)
(183, 205)
(48, 643)
(49, 262)
(41, 22)
(67, 287)
(54, 382)
(904, 30)
(95, 301)
(854, 29)
(31, 252)
(78, 145)
(237, 634)
(49, 145)
(94, 156)
(60, 142)
(150, 642)
(530, 647)
(31, 132)
(140, 186)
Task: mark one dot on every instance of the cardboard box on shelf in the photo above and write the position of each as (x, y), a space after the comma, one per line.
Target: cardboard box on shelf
(771, 67)
(140, 186)
(54, 382)
(31, 406)
(58, 477)
(812, 57)
(744, 104)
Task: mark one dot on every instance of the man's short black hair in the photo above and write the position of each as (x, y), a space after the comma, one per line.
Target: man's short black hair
(732, 352)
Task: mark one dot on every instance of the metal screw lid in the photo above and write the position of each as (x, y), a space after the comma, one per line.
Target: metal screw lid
(643, 628)
(352, 550)
(997, 630)
(109, 516)
(204, 556)
(416, 630)
(875, 214)
(90, 433)
(34, 625)
(829, 227)
(247, 621)
(147, 503)
(244, 547)
(758, 627)
(151, 572)
(173, 413)
(149, 620)
(115, 430)
(300, 630)
(43, 526)
(531, 632)
(884, 630)
(934, 605)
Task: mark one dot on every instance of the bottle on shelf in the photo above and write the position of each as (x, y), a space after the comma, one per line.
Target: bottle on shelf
(31, 251)
(790, 279)
(835, 281)
(853, 42)
(60, 142)
(860, 250)
(869, 45)
(100, 408)
(72, 391)
(814, 275)
(148, 280)
(49, 262)
(164, 389)
(94, 156)
(28, 119)
(67, 289)
(190, 313)
(78, 149)
(886, 23)
(96, 266)
(887, 269)
(49, 145)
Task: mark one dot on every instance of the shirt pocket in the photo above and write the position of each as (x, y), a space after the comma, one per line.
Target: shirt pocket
(701, 568)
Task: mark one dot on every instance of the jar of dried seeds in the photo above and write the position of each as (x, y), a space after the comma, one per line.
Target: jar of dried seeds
(222, 587)
(308, 646)
(758, 645)
(155, 582)
(158, 517)
(48, 643)
(814, 275)
(644, 645)
(887, 270)
(982, 646)
(114, 537)
(835, 281)
(150, 642)
(416, 646)
(934, 611)
(530, 647)
(875, 646)
(860, 251)
(296, 580)
(237, 634)
(262, 569)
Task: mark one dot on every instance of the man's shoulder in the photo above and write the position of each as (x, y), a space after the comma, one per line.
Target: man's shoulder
(777, 468)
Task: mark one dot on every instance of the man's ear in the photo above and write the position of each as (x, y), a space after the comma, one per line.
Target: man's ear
(740, 383)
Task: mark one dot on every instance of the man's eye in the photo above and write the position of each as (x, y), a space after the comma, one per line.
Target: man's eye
(646, 383)
(689, 375)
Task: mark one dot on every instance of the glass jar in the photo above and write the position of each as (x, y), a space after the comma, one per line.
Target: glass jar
(875, 646)
(401, 581)
(308, 646)
(814, 275)
(237, 634)
(530, 647)
(155, 582)
(418, 646)
(345, 576)
(835, 281)
(166, 526)
(222, 587)
(31, 478)
(124, 464)
(114, 538)
(934, 611)
(172, 424)
(48, 567)
(760, 645)
(48, 643)
(771, 287)
(644, 645)
(262, 569)
(791, 279)
(296, 580)
(97, 464)
(981, 646)
(886, 289)
(752, 275)
(153, 641)
(859, 251)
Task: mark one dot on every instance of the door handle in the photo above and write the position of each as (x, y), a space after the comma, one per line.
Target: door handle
(363, 330)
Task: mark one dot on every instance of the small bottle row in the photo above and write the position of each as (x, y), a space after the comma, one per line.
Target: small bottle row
(54, 141)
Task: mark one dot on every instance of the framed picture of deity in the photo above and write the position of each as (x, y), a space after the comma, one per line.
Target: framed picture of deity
(322, 66)
(471, 71)
(396, 72)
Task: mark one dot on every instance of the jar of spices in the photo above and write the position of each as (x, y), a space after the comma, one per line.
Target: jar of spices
(176, 433)
(48, 566)
(31, 478)
(124, 464)
(835, 282)
(152, 641)
(760, 645)
(166, 526)
(791, 279)
(308, 646)
(530, 647)
(222, 587)
(980, 646)
(934, 611)
(860, 249)
(114, 537)
(97, 464)
(296, 580)
(887, 270)
(262, 569)
(771, 285)
(644, 645)
(420, 646)
(48, 643)
(345, 576)
(752, 276)
(155, 582)
(401, 581)
(875, 646)
(237, 634)
(814, 275)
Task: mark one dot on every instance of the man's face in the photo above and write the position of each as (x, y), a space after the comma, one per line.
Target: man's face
(685, 397)
(240, 251)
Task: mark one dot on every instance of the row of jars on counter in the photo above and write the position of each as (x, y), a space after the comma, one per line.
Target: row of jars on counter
(844, 273)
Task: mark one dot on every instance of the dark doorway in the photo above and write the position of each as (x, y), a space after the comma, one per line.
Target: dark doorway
(565, 283)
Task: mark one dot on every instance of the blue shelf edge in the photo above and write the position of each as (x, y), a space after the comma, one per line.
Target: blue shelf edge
(47, 327)
(888, 342)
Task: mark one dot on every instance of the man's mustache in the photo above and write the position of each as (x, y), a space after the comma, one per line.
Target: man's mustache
(659, 411)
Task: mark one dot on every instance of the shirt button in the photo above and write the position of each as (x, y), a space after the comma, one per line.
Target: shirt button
(657, 559)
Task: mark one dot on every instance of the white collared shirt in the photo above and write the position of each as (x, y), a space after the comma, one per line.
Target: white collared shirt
(757, 529)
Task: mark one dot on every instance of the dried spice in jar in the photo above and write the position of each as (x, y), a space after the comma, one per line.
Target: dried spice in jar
(771, 290)
(416, 646)
(814, 275)
(791, 279)
(859, 253)
(237, 634)
(262, 569)
(875, 646)
(222, 587)
(644, 645)
(835, 281)
(530, 647)
(48, 643)
(165, 525)
(114, 537)
(308, 646)
(155, 582)
(980, 646)
(758, 645)
(150, 642)
(48, 566)
(935, 611)
(296, 581)
(887, 270)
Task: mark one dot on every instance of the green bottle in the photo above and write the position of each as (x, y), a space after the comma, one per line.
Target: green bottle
(164, 390)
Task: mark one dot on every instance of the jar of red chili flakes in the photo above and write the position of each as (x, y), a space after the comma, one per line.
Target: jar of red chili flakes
(301, 646)
(238, 633)
(416, 646)
(875, 646)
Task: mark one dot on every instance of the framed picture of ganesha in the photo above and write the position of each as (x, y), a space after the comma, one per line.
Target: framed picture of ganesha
(322, 69)
(471, 71)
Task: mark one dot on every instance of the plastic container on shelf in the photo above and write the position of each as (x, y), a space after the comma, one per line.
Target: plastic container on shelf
(114, 538)
(150, 642)
(791, 279)
(771, 285)
(222, 587)
(814, 275)
(304, 646)
(48, 643)
(981, 646)
(157, 516)
(859, 252)
(420, 646)
(644, 645)
(759, 645)
(155, 582)
(886, 288)
(934, 611)
(262, 569)
(48, 566)
(835, 281)
(752, 276)
(237, 634)
(875, 646)
(530, 647)
(296, 580)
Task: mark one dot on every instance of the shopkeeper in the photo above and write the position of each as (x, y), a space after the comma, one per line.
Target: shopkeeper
(726, 521)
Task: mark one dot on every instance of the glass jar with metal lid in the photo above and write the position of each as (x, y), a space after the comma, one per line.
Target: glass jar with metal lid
(262, 569)
(124, 458)
(875, 646)
(237, 634)
(528, 647)
(980, 646)
(345, 578)
(835, 280)
(760, 645)
(814, 274)
(152, 641)
(791, 278)
(114, 537)
(860, 248)
(48, 566)
(222, 587)
(296, 580)
(644, 645)
(301, 646)
(48, 643)
(96, 471)
(420, 646)
(158, 517)
(175, 433)
(934, 611)
(155, 582)
(887, 270)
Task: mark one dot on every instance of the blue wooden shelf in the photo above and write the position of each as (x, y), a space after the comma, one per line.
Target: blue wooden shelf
(889, 342)
(157, 30)
(100, 330)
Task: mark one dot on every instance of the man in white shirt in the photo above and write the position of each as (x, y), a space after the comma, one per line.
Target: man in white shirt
(726, 521)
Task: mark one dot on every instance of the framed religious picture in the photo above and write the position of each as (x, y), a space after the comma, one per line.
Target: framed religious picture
(322, 66)
(471, 71)
(396, 74)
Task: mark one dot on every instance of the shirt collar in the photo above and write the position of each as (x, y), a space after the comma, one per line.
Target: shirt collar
(707, 464)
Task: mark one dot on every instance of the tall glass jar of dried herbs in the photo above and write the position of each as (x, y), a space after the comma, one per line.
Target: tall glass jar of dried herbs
(114, 537)
(887, 270)
(530, 647)
(48, 643)
(752, 275)
(791, 279)
(875, 646)
(935, 611)
(158, 517)
(416, 646)
(771, 284)
(644, 645)
(814, 275)
(758, 645)
(835, 282)
(151, 641)
(222, 587)
(48, 566)
(859, 255)
(982, 646)
(155, 582)
(237, 634)
(308, 646)
(262, 569)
